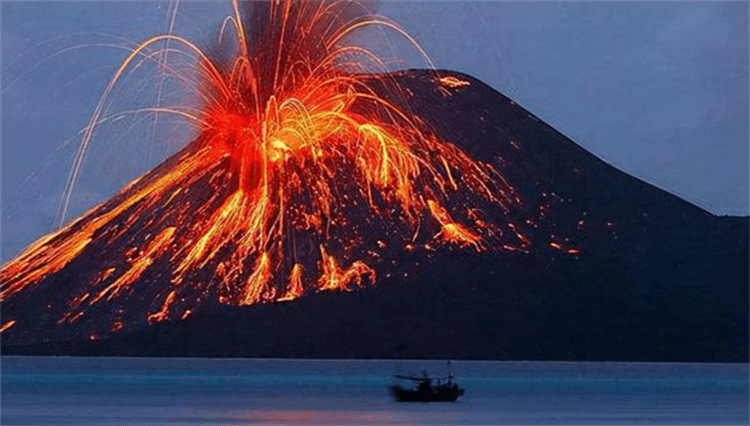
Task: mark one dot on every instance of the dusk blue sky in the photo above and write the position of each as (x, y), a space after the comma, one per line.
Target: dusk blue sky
(658, 90)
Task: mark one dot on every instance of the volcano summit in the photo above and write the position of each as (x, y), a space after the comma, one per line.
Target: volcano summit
(330, 209)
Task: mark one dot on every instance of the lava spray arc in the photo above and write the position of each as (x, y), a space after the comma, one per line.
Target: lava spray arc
(309, 173)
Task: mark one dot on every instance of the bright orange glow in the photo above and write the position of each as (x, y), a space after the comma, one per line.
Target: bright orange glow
(335, 278)
(164, 311)
(7, 325)
(453, 82)
(155, 248)
(295, 288)
(257, 283)
(453, 232)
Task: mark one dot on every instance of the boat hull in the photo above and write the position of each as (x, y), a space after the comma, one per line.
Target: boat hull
(438, 394)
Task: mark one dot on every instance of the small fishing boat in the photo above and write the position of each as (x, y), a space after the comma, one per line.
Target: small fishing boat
(425, 389)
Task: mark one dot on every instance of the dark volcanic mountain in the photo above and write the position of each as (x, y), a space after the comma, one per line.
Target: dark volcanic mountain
(610, 268)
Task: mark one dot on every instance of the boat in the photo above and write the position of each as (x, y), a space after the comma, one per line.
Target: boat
(426, 389)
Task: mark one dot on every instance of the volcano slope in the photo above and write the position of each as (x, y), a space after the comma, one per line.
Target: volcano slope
(610, 268)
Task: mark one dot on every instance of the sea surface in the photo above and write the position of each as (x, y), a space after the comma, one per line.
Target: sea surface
(130, 391)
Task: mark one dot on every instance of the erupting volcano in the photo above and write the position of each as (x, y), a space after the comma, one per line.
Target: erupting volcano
(328, 207)
(303, 178)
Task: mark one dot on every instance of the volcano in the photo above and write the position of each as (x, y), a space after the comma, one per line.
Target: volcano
(326, 210)
(615, 269)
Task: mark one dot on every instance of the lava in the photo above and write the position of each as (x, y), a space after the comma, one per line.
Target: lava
(302, 178)
(7, 325)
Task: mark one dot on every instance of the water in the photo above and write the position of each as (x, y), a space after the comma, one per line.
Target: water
(127, 391)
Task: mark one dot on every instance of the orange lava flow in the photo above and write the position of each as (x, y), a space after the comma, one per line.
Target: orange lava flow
(301, 175)
(155, 248)
(163, 313)
(451, 231)
(453, 82)
(335, 278)
(295, 288)
(7, 325)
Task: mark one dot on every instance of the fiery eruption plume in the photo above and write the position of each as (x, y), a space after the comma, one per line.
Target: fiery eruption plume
(304, 177)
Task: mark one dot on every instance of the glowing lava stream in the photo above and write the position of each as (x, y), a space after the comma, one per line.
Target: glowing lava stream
(300, 178)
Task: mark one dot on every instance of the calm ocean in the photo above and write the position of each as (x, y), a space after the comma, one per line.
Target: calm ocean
(129, 391)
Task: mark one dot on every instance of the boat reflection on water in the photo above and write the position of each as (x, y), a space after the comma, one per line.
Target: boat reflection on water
(425, 388)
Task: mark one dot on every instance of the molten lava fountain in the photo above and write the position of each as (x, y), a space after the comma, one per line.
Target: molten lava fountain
(303, 178)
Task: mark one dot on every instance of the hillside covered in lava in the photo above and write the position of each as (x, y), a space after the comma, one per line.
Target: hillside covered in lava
(576, 260)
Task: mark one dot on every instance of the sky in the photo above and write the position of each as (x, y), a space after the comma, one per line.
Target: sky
(658, 90)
